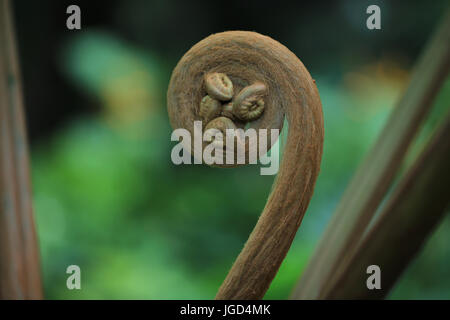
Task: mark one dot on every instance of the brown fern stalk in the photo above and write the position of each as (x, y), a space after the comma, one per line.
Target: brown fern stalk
(19, 255)
(250, 58)
(419, 203)
(374, 177)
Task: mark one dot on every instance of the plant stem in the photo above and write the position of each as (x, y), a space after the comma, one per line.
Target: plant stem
(291, 94)
(413, 211)
(19, 255)
(373, 178)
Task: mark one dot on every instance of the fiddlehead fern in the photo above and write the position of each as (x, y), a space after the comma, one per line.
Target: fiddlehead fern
(248, 58)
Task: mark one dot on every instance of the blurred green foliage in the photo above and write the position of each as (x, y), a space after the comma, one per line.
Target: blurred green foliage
(108, 198)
